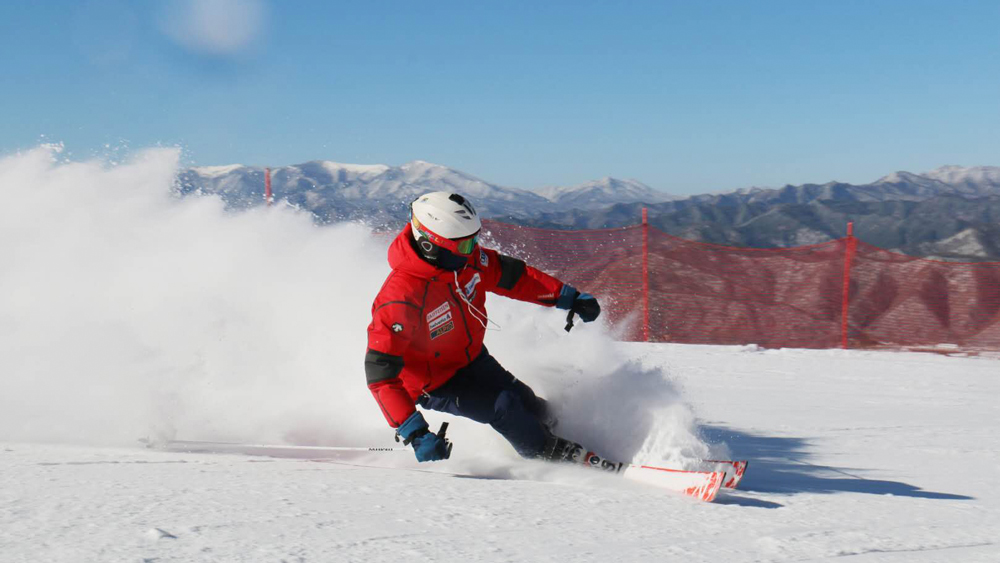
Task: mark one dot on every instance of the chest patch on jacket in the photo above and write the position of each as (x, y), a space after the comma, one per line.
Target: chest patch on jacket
(440, 310)
(440, 321)
(445, 328)
(470, 288)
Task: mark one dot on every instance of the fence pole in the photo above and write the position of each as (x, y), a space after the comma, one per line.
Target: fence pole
(852, 244)
(267, 186)
(645, 275)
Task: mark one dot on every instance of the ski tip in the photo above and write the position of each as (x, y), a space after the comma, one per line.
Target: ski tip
(710, 490)
(734, 470)
(739, 468)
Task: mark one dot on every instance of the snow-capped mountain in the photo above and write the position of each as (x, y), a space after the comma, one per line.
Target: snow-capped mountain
(336, 191)
(602, 193)
(904, 211)
(969, 182)
(975, 180)
(951, 213)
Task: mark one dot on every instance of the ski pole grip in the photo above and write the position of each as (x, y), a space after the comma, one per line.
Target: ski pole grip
(569, 321)
(441, 431)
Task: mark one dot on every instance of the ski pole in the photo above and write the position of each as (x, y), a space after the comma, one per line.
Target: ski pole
(206, 446)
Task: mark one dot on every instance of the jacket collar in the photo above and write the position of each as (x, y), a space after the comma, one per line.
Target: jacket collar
(402, 256)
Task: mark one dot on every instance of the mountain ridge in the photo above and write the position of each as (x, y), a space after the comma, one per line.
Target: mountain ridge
(759, 217)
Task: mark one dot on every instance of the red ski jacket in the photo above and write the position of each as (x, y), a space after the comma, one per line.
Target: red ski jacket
(427, 322)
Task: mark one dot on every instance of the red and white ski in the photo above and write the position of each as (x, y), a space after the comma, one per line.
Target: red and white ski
(702, 485)
(734, 470)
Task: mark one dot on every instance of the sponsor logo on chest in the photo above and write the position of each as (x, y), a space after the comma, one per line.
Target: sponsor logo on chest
(440, 321)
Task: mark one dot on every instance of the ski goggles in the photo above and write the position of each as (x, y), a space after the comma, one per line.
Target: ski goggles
(468, 244)
(463, 246)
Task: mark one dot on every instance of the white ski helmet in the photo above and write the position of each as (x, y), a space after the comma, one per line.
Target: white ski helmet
(445, 220)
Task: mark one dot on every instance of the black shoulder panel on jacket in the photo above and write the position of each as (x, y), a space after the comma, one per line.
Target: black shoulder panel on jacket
(380, 366)
(511, 270)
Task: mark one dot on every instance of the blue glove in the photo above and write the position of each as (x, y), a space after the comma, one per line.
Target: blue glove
(583, 304)
(426, 446)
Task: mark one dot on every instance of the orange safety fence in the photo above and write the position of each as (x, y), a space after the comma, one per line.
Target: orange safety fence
(841, 293)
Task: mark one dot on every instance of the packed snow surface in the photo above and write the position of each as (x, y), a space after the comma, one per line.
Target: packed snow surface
(128, 314)
(854, 456)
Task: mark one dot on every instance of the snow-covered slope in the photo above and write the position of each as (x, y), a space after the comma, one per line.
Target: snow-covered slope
(968, 242)
(855, 456)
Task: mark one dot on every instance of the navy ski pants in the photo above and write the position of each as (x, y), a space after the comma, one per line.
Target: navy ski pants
(486, 392)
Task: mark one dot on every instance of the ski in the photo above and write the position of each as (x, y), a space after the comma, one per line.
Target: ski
(699, 484)
(702, 485)
(734, 470)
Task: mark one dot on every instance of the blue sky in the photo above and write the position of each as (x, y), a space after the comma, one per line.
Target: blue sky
(687, 97)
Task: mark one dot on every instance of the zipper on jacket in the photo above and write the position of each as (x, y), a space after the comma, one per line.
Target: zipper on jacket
(465, 321)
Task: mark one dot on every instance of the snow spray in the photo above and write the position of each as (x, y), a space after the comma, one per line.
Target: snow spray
(129, 312)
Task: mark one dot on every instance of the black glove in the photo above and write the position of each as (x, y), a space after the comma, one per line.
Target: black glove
(586, 306)
(583, 304)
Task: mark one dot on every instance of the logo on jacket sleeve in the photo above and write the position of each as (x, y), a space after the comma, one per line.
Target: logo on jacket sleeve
(484, 260)
(396, 327)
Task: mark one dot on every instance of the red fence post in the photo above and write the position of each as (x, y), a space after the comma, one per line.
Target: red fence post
(267, 186)
(645, 275)
(852, 244)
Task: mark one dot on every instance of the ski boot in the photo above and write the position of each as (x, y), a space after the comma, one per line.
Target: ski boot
(561, 450)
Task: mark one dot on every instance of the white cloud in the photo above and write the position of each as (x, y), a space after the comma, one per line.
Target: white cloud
(215, 27)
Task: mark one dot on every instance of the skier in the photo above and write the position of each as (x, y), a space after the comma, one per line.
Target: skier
(425, 341)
